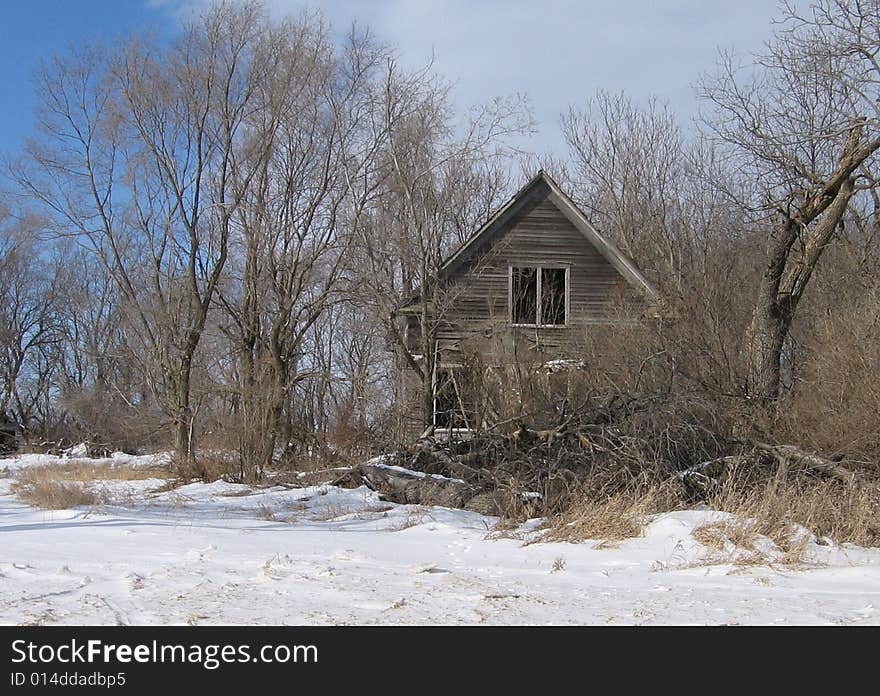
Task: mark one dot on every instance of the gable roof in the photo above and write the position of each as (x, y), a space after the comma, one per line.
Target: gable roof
(499, 220)
(624, 265)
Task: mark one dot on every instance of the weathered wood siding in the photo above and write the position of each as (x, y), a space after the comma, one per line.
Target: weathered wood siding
(476, 297)
(413, 420)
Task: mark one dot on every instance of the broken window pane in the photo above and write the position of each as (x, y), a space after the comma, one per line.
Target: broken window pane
(524, 295)
(553, 296)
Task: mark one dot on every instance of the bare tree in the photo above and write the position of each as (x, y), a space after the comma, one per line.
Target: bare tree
(29, 290)
(438, 181)
(295, 221)
(102, 394)
(665, 198)
(804, 125)
(144, 159)
(628, 168)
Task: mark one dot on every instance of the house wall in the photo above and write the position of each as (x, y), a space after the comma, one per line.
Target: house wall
(476, 303)
(413, 421)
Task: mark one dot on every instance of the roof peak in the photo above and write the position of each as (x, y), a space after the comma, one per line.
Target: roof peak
(575, 215)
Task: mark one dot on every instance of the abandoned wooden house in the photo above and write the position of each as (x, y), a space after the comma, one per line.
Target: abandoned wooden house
(530, 287)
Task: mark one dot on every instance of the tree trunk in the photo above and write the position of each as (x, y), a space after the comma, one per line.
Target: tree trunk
(261, 420)
(184, 452)
(793, 252)
(766, 336)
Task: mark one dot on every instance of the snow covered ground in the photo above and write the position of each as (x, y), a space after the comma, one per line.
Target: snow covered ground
(224, 553)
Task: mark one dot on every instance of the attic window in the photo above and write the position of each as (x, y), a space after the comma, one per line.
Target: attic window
(527, 285)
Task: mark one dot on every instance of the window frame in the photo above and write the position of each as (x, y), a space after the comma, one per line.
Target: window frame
(538, 298)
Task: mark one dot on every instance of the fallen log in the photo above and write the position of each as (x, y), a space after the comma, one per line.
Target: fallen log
(400, 485)
(789, 453)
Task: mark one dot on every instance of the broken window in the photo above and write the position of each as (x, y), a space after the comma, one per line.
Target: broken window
(527, 284)
(449, 405)
(553, 296)
(524, 295)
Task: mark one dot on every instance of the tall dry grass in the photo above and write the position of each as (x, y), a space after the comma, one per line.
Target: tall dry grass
(827, 509)
(62, 486)
(613, 516)
(778, 508)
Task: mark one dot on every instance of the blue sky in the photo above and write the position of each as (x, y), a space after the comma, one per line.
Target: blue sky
(557, 51)
(31, 30)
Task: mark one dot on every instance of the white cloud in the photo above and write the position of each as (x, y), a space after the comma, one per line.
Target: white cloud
(559, 52)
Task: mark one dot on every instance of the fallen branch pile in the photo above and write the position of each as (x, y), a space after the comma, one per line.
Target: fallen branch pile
(596, 452)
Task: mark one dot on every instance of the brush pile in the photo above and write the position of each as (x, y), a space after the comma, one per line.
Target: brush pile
(597, 452)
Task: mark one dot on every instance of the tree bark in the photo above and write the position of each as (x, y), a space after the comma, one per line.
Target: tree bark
(793, 252)
(766, 337)
(184, 450)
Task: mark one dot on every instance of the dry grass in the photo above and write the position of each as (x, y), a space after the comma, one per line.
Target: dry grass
(506, 528)
(611, 518)
(208, 466)
(378, 509)
(734, 541)
(58, 495)
(60, 486)
(720, 536)
(779, 508)
(288, 512)
(84, 471)
(334, 511)
(789, 512)
(244, 493)
(417, 515)
(331, 511)
(267, 512)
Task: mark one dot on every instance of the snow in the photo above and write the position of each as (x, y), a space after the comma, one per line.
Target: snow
(11, 465)
(416, 474)
(224, 553)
